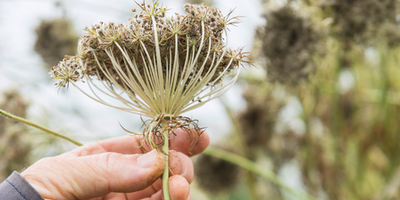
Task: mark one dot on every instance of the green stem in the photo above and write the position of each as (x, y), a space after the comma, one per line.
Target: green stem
(166, 168)
(240, 140)
(254, 168)
(9, 115)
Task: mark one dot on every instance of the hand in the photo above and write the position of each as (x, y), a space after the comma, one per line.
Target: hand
(116, 168)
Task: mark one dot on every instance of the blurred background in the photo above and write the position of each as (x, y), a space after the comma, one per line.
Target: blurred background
(321, 107)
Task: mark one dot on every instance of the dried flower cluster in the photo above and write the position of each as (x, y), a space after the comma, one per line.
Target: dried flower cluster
(392, 35)
(157, 66)
(55, 39)
(216, 175)
(289, 41)
(258, 120)
(166, 65)
(359, 20)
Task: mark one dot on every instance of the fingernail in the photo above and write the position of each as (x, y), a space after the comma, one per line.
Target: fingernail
(148, 159)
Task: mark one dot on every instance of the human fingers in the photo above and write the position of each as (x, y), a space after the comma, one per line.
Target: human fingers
(189, 143)
(179, 164)
(128, 144)
(95, 175)
(183, 142)
(179, 189)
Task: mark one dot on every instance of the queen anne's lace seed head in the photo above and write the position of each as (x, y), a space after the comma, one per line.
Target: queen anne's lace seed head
(360, 21)
(55, 39)
(215, 175)
(289, 41)
(164, 66)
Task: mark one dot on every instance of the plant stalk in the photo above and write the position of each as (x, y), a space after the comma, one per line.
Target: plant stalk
(165, 176)
(240, 140)
(254, 168)
(27, 122)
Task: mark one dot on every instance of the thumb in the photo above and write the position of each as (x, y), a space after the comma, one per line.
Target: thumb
(94, 175)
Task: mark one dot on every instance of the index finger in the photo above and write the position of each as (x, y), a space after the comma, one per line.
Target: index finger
(131, 145)
(189, 143)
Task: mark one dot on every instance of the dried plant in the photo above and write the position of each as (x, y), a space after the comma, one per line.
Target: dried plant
(259, 119)
(55, 39)
(359, 21)
(165, 65)
(289, 40)
(157, 66)
(392, 35)
(216, 175)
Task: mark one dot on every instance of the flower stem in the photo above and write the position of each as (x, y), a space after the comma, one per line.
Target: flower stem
(240, 140)
(254, 168)
(165, 176)
(27, 122)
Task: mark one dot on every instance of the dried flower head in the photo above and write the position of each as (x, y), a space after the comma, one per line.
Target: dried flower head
(158, 66)
(392, 35)
(215, 175)
(55, 39)
(259, 119)
(359, 20)
(288, 42)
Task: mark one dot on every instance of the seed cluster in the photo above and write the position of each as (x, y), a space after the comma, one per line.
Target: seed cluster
(55, 39)
(259, 119)
(216, 175)
(180, 33)
(289, 41)
(359, 20)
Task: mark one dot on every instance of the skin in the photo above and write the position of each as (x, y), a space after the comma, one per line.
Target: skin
(114, 169)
